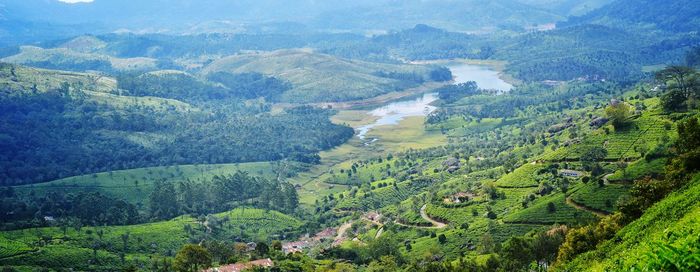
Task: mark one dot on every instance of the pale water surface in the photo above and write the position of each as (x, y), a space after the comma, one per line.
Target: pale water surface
(482, 75)
(393, 113)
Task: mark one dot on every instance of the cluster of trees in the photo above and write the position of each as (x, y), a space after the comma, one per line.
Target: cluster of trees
(251, 85)
(599, 65)
(683, 88)
(534, 98)
(618, 112)
(72, 209)
(77, 64)
(64, 132)
(422, 42)
(219, 194)
(454, 92)
(185, 87)
(407, 77)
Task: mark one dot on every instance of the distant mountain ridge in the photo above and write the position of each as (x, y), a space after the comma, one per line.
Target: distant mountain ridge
(188, 16)
(667, 15)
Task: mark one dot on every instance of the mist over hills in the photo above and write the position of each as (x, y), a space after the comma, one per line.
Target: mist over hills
(50, 19)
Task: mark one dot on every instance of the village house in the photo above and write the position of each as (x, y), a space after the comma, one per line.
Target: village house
(570, 173)
(459, 197)
(294, 247)
(325, 234)
(238, 267)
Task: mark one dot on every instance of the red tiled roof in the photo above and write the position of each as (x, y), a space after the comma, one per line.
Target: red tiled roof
(238, 267)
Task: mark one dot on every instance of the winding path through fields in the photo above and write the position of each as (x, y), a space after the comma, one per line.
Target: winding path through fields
(424, 215)
(578, 206)
(436, 224)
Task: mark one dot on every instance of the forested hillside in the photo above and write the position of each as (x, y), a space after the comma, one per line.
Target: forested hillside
(74, 130)
(420, 135)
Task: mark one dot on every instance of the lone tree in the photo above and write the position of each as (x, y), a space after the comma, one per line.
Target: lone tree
(551, 208)
(192, 258)
(618, 113)
(683, 83)
(594, 154)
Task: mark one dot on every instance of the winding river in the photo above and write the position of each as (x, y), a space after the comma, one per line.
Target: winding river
(393, 113)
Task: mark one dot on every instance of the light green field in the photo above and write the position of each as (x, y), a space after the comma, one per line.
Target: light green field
(409, 133)
(638, 169)
(537, 212)
(601, 198)
(135, 185)
(523, 177)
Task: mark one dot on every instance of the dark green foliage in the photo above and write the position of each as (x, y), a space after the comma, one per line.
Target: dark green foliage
(185, 87)
(674, 100)
(441, 74)
(595, 66)
(8, 269)
(163, 201)
(442, 238)
(516, 253)
(527, 97)
(452, 93)
(87, 208)
(251, 85)
(688, 135)
(586, 238)
(192, 258)
(683, 83)
(174, 85)
(221, 193)
(594, 154)
(67, 136)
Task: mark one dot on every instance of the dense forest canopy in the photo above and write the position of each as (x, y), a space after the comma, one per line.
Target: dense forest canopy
(70, 133)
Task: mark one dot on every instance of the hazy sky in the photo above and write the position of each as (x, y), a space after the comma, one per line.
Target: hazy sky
(75, 1)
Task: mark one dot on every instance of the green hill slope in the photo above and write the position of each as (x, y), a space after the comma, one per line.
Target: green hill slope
(667, 229)
(67, 59)
(134, 185)
(324, 78)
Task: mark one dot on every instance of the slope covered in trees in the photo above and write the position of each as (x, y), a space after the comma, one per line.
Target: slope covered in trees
(72, 131)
